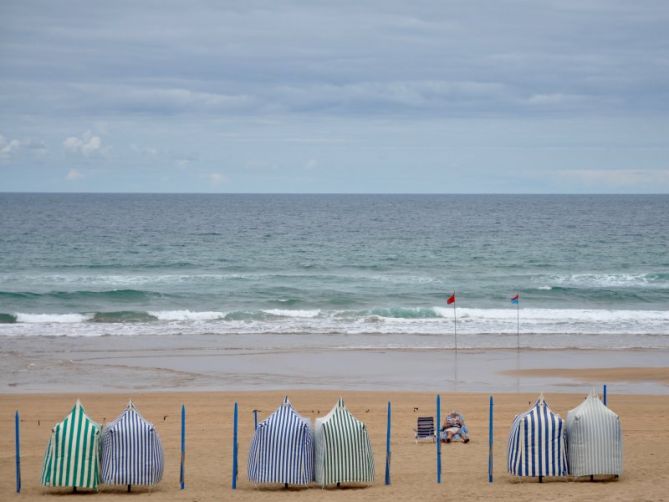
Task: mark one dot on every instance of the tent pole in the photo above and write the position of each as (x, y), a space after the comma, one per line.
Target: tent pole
(490, 442)
(255, 419)
(18, 452)
(604, 394)
(234, 447)
(182, 484)
(388, 446)
(438, 439)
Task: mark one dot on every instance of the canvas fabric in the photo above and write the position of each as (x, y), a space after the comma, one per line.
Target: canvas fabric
(594, 439)
(537, 445)
(72, 455)
(132, 453)
(343, 449)
(282, 449)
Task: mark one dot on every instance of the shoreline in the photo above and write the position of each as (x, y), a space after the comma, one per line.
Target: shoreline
(186, 363)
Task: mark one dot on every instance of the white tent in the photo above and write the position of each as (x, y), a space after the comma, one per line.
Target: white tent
(594, 439)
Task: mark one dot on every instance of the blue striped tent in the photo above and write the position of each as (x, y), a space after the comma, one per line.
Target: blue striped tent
(343, 449)
(282, 449)
(594, 439)
(537, 443)
(132, 453)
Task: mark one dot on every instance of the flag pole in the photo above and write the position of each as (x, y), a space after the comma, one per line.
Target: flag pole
(455, 322)
(518, 323)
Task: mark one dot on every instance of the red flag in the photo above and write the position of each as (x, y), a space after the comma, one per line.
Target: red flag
(451, 299)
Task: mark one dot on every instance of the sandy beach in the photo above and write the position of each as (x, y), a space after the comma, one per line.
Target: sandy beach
(209, 433)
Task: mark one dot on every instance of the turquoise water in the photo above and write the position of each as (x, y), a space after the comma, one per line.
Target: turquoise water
(371, 270)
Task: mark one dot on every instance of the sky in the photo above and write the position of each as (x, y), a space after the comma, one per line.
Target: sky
(518, 96)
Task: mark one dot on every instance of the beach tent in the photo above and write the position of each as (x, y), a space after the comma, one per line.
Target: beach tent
(536, 445)
(282, 449)
(132, 453)
(71, 458)
(594, 439)
(343, 450)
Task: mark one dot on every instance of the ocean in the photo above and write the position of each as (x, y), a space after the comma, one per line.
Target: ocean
(339, 271)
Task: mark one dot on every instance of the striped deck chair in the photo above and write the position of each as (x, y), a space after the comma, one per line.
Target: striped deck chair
(282, 449)
(537, 446)
(132, 453)
(425, 429)
(71, 458)
(594, 439)
(343, 449)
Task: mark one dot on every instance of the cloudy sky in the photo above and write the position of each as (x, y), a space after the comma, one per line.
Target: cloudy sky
(542, 96)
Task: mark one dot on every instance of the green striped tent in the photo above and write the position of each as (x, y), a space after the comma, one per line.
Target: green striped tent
(72, 456)
(343, 450)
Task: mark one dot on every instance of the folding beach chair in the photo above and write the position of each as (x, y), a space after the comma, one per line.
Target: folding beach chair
(425, 429)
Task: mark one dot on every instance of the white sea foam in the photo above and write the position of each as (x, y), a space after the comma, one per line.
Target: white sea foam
(609, 280)
(477, 328)
(186, 315)
(52, 318)
(305, 314)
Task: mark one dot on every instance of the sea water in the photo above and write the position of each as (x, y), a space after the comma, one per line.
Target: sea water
(339, 271)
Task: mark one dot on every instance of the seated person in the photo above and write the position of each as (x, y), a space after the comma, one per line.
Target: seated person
(454, 426)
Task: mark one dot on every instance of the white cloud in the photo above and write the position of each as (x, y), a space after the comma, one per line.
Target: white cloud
(148, 151)
(310, 164)
(8, 147)
(73, 175)
(87, 144)
(217, 178)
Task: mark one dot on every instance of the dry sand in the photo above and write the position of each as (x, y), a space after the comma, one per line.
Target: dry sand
(209, 433)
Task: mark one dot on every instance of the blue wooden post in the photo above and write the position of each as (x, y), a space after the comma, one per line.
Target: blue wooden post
(490, 442)
(234, 448)
(604, 394)
(182, 473)
(18, 453)
(255, 419)
(438, 439)
(388, 446)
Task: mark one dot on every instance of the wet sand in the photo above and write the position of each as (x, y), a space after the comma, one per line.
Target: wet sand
(596, 375)
(209, 434)
(177, 363)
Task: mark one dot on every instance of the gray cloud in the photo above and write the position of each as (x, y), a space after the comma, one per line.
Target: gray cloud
(267, 83)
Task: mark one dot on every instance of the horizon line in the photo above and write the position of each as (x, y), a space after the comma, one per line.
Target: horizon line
(335, 193)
